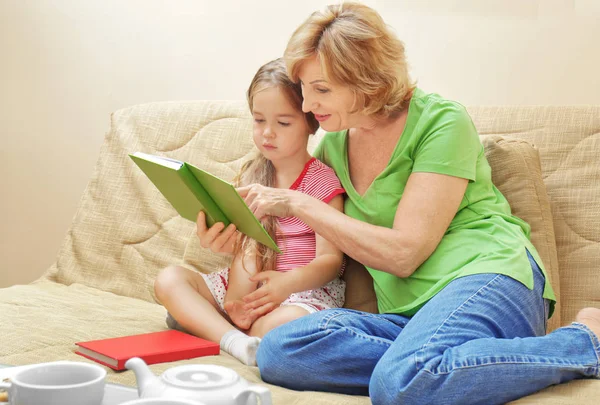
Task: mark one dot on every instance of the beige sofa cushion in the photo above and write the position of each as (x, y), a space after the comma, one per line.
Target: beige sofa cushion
(517, 173)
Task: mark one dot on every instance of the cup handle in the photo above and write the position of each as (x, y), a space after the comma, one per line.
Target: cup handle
(261, 392)
(4, 395)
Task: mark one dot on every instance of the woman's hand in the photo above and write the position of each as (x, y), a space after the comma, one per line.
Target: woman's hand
(265, 201)
(217, 238)
(275, 290)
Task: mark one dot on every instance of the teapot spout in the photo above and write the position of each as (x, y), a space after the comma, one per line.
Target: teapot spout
(145, 378)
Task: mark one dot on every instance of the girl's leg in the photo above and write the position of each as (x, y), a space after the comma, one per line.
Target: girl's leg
(239, 285)
(188, 299)
(185, 295)
(333, 350)
(275, 318)
(481, 341)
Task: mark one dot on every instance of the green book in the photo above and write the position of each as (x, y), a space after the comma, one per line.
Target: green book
(191, 190)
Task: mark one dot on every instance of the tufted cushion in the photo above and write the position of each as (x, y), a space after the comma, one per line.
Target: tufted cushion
(517, 173)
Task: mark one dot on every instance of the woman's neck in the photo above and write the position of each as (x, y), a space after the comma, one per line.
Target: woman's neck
(287, 170)
(378, 128)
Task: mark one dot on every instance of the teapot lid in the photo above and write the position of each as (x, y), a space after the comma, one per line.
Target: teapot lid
(200, 376)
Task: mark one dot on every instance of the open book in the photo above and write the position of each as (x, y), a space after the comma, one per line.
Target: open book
(191, 190)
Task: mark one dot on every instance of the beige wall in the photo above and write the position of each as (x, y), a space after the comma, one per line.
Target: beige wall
(65, 65)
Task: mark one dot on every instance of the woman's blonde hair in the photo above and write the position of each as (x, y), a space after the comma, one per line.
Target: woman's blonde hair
(356, 49)
(259, 169)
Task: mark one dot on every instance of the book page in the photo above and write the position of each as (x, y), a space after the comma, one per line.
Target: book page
(160, 160)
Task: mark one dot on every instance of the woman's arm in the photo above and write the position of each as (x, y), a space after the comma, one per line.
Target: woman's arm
(324, 268)
(428, 205)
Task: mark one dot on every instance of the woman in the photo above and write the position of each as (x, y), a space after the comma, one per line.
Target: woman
(462, 293)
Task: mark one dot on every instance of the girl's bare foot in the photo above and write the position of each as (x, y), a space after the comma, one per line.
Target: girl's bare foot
(590, 317)
(240, 317)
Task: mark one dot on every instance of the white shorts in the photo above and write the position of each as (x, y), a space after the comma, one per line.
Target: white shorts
(329, 296)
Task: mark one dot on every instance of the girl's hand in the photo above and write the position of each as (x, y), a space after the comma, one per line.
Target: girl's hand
(216, 238)
(275, 290)
(265, 201)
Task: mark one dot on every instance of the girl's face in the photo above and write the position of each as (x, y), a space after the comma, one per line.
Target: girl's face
(330, 103)
(280, 130)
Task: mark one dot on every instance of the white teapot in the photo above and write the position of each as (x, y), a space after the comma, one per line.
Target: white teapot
(208, 384)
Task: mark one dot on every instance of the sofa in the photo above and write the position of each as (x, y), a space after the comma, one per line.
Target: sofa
(544, 159)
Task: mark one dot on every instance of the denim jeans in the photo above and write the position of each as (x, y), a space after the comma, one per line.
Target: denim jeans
(481, 340)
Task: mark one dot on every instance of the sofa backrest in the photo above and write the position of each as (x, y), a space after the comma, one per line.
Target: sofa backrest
(124, 231)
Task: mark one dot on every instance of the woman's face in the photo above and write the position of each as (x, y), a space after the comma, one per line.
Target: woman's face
(329, 102)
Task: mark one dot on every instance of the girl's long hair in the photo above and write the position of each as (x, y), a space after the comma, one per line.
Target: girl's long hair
(259, 169)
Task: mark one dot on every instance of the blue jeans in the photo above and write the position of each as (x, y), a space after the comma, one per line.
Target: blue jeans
(479, 341)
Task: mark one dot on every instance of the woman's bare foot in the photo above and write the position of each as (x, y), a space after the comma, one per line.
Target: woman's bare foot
(590, 317)
(240, 317)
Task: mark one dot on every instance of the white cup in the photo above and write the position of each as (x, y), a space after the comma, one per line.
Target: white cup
(162, 401)
(58, 383)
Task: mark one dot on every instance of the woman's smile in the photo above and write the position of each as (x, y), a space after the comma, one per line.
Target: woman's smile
(322, 118)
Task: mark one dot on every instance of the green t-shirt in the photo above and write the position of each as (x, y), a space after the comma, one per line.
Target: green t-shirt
(483, 237)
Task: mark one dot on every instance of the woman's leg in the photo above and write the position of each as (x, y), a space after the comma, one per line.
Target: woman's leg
(481, 341)
(333, 350)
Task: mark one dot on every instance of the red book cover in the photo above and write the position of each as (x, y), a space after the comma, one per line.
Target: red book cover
(155, 347)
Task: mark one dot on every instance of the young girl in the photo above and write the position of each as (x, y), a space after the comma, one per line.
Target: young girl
(261, 289)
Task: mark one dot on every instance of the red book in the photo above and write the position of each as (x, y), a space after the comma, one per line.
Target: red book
(155, 347)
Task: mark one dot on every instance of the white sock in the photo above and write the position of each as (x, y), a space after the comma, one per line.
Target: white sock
(240, 346)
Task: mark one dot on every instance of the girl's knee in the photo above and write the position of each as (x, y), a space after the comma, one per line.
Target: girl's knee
(167, 279)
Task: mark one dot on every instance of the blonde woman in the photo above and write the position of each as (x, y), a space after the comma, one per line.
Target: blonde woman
(301, 280)
(462, 293)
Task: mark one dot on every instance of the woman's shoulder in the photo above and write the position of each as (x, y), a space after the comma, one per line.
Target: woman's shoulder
(432, 106)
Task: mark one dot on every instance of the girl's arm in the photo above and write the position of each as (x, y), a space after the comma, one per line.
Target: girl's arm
(428, 205)
(324, 268)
